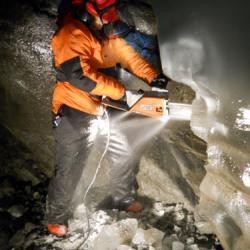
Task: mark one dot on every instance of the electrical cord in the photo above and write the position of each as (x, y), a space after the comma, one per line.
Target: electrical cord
(94, 178)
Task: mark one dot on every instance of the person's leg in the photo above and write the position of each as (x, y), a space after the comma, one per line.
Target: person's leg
(73, 143)
(123, 166)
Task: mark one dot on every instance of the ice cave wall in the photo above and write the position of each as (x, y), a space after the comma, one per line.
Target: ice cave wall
(206, 46)
(27, 75)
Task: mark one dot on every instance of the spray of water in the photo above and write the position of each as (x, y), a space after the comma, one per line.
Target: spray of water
(122, 137)
(117, 140)
(138, 129)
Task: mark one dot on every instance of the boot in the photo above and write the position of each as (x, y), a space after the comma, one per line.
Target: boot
(130, 205)
(57, 229)
(134, 207)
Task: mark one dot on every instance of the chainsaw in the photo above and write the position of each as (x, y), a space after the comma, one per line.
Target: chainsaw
(153, 103)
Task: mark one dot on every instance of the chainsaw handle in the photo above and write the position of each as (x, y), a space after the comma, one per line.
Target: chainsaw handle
(115, 104)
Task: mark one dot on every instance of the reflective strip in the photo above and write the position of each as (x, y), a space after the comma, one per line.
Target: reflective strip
(66, 94)
(72, 72)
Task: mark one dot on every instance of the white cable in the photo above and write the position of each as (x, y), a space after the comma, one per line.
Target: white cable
(100, 161)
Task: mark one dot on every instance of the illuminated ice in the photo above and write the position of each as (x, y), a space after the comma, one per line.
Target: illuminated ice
(242, 121)
(204, 47)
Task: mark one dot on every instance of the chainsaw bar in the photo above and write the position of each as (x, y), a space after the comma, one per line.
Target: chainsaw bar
(153, 104)
(179, 111)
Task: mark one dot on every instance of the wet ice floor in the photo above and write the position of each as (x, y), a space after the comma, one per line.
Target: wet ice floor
(161, 227)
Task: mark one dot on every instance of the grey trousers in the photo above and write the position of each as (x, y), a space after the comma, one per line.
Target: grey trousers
(75, 136)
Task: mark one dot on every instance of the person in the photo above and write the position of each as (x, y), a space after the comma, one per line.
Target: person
(79, 52)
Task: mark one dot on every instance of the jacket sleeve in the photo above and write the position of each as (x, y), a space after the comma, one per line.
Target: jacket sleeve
(132, 61)
(83, 44)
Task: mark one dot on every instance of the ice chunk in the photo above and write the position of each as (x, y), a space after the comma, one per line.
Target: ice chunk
(177, 245)
(146, 238)
(108, 239)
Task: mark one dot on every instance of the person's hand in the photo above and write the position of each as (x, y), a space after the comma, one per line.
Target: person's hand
(161, 81)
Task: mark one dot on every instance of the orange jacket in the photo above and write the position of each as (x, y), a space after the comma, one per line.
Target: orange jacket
(78, 56)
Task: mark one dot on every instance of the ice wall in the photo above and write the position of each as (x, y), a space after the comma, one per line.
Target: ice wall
(205, 44)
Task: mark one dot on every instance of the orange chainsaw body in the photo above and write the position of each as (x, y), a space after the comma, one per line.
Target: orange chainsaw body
(150, 106)
(151, 103)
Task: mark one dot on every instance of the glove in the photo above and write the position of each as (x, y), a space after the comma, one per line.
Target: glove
(161, 81)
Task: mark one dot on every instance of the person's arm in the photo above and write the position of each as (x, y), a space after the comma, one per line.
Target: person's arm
(132, 61)
(84, 75)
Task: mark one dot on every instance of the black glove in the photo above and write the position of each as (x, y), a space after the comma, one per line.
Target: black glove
(161, 81)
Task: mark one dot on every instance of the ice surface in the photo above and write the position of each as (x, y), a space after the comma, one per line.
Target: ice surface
(242, 121)
(108, 238)
(206, 46)
(144, 239)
